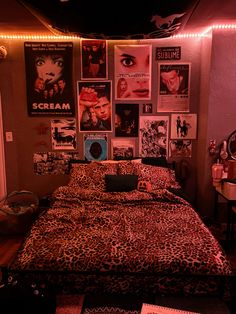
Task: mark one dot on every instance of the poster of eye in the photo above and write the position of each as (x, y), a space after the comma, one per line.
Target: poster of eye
(122, 149)
(48, 67)
(63, 133)
(153, 139)
(133, 71)
(95, 147)
(173, 87)
(184, 126)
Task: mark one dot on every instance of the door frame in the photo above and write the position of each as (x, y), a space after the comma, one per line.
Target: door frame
(3, 187)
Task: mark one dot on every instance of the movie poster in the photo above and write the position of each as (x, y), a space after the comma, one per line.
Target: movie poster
(63, 133)
(133, 72)
(48, 68)
(95, 107)
(153, 139)
(126, 120)
(93, 59)
(173, 87)
(95, 147)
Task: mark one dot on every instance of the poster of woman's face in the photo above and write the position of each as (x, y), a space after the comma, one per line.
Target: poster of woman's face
(49, 78)
(133, 72)
(93, 59)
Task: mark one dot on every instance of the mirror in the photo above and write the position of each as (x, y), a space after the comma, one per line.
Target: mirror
(231, 145)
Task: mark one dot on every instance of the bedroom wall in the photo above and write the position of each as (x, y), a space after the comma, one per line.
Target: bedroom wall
(217, 108)
(19, 153)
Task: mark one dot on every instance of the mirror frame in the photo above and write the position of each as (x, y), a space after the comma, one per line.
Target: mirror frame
(232, 138)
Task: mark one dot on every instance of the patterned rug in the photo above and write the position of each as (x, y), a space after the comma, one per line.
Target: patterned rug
(80, 304)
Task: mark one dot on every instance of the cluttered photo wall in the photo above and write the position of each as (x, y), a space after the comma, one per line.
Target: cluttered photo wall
(119, 99)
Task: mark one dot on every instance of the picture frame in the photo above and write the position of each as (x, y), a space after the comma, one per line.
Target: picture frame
(184, 126)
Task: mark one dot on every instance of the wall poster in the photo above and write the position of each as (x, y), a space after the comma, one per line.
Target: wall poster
(153, 139)
(49, 84)
(95, 147)
(126, 120)
(95, 108)
(93, 59)
(122, 149)
(133, 72)
(173, 87)
(184, 126)
(180, 148)
(53, 162)
(63, 133)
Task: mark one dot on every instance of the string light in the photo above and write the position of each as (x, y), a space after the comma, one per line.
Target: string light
(204, 33)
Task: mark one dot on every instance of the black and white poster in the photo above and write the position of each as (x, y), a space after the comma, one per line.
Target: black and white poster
(48, 68)
(173, 87)
(49, 163)
(184, 126)
(153, 139)
(63, 133)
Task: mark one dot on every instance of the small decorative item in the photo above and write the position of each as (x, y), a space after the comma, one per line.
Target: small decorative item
(144, 186)
(212, 147)
(217, 173)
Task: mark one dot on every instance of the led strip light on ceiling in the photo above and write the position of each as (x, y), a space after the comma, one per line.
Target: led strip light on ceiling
(65, 37)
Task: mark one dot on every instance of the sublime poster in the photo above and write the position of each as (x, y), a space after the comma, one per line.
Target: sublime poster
(49, 78)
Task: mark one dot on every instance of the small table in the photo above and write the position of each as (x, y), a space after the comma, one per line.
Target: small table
(231, 202)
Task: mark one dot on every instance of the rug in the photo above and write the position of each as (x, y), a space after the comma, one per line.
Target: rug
(100, 304)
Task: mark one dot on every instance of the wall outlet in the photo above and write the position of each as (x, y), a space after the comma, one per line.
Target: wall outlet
(9, 137)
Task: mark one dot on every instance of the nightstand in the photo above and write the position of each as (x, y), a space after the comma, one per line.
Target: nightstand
(231, 204)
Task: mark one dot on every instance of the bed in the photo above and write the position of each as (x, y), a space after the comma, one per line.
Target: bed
(121, 227)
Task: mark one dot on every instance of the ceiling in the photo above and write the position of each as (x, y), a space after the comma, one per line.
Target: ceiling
(110, 21)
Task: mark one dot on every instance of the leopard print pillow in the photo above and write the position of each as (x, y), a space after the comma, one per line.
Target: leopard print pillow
(159, 177)
(91, 176)
(126, 167)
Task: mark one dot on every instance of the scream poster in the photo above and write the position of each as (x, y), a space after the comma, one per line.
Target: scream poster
(49, 78)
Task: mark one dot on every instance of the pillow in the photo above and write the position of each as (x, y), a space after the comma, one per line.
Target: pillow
(126, 167)
(91, 176)
(121, 183)
(155, 161)
(159, 177)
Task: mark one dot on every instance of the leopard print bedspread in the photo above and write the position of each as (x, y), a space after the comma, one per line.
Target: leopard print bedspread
(121, 232)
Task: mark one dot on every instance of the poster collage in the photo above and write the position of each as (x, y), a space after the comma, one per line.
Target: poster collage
(95, 114)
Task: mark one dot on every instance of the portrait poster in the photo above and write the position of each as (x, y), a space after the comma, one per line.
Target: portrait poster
(133, 71)
(123, 149)
(47, 163)
(95, 147)
(63, 134)
(95, 106)
(180, 148)
(173, 87)
(184, 126)
(153, 138)
(126, 120)
(93, 59)
(49, 79)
